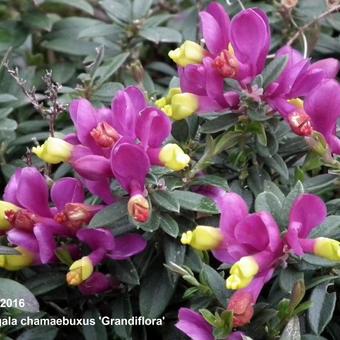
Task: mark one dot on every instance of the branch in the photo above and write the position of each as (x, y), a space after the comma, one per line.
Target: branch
(306, 26)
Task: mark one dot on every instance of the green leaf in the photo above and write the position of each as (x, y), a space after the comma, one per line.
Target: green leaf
(109, 215)
(292, 330)
(318, 183)
(195, 202)
(45, 282)
(174, 252)
(321, 311)
(330, 228)
(151, 225)
(8, 124)
(71, 46)
(161, 34)
(273, 70)
(118, 10)
(216, 284)
(165, 200)
(288, 277)
(38, 21)
(80, 4)
(6, 97)
(289, 200)
(267, 201)
(278, 164)
(140, 8)
(39, 333)
(106, 71)
(155, 292)
(99, 30)
(213, 180)
(96, 331)
(107, 91)
(221, 123)
(122, 309)
(125, 271)
(13, 290)
(169, 225)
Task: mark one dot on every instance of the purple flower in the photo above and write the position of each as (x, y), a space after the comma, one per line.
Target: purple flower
(298, 79)
(322, 105)
(197, 328)
(237, 51)
(103, 245)
(33, 223)
(194, 325)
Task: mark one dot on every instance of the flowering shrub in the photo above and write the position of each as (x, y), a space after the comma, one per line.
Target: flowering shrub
(208, 210)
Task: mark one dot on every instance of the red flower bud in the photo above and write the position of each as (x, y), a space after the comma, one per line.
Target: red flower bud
(105, 135)
(75, 215)
(241, 304)
(21, 219)
(300, 123)
(139, 208)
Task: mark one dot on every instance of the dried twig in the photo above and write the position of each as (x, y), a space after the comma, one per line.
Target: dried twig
(306, 26)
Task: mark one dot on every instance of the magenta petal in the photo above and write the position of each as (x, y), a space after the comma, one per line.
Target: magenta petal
(130, 165)
(292, 238)
(100, 188)
(194, 71)
(32, 192)
(322, 105)
(97, 283)
(233, 209)
(126, 107)
(250, 45)
(10, 193)
(126, 246)
(214, 81)
(93, 167)
(236, 336)
(23, 239)
(194, 325)
(329, 66)
(46, 241)
(97, 238)
(258, 231)
(85, 118)
(153, 127)
(67, 190)
(308, 210)
(214, 27)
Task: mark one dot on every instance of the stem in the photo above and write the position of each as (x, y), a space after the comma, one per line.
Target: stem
(306, 26)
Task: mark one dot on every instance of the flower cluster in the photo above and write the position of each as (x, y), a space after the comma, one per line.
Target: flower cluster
(304, 94)
(253, 245)
(122, 143)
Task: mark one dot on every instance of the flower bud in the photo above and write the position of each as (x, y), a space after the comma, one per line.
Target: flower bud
(17, 262)
(54, 150)
(300, 123)
(289, 4)
(183, 105)
(241, 304)
(79, 271)
(21, 219)
(105, 135)
(139, 208)
(242, 273)
(203, 238)
(327, 248)
(188, 53)
(173, 157)
(75, 215)
(6, 207)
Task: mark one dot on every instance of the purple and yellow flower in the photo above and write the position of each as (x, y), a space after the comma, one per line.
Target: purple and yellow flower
(307, 213)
